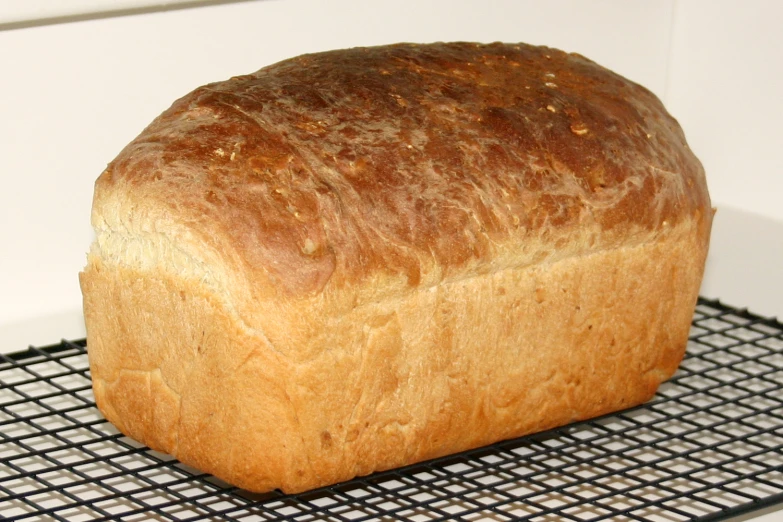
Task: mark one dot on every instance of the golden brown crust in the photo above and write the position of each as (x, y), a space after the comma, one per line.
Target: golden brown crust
(356, 260)
(416, 161)
(454, 367)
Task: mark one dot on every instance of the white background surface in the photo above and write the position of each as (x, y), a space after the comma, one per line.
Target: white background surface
(74, 94)
(25, 13)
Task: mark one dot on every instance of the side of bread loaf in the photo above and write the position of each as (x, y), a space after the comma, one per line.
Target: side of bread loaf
(356, 260)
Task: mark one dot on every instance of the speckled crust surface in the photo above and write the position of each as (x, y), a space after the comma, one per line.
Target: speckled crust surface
(355, 260)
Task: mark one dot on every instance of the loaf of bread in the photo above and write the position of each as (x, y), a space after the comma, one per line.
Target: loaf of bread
(360, 259)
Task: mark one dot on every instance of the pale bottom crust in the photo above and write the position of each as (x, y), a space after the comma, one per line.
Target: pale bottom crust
(435, 372)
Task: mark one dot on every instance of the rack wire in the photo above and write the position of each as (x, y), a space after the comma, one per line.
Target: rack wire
(707, 447)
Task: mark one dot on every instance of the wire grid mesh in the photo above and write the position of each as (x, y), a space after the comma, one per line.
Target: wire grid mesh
(707, 447)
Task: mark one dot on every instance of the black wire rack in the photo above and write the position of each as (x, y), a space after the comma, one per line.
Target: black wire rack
(707, 447)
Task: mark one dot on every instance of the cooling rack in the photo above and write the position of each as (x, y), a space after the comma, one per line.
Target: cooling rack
(707, 447)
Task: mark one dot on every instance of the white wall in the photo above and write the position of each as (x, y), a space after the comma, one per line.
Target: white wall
(73, 94)
(33, 12)
(726, 88)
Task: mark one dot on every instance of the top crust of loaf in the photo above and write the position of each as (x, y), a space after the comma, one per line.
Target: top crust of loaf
(408, 165)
